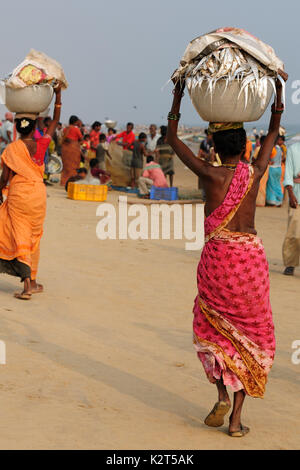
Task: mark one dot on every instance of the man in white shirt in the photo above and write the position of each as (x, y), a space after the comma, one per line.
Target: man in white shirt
(291, 245)
(152, 140)
(6, 131)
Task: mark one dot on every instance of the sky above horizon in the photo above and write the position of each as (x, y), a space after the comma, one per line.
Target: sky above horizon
(118, 55)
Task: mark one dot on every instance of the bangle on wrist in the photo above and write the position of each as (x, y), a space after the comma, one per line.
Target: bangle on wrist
(174, 117)
(58, 105)
(277, 110)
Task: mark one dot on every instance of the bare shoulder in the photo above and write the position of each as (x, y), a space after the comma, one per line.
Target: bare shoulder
(212, 172)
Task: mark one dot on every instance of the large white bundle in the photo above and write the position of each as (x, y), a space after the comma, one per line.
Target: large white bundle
(37, 69)
(230, 75)
(32, 99)
(110, 124)
(30, 87)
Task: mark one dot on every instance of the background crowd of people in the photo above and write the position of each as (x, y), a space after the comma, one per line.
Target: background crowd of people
(84, 151)
(82, 146)
(281, 180)
(271, 189)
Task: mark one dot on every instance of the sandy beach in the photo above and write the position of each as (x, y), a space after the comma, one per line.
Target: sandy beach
(104, 359)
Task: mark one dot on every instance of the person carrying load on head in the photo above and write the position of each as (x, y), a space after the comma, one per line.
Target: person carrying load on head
(233, 325)
(22, 214)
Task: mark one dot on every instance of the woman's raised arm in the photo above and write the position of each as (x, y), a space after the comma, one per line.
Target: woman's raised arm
(181, 150)
(57, 111)
(277, 109)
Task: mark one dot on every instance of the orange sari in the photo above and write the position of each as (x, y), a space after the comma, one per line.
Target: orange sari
(70, 153)
(22, 214)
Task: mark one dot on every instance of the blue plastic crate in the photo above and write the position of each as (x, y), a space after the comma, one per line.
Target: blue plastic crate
(165, 194)
(125, 189)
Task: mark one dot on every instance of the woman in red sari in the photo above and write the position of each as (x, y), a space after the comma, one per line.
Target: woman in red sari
(95, 136)
(71, 150)
(233, 326)
(23, 212)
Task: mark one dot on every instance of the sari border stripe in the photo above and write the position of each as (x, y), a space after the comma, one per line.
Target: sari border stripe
(254, 381)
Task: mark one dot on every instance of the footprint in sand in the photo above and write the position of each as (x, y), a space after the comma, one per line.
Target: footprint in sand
(179, 364)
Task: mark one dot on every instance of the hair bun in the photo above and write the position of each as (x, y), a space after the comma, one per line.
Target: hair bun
(24, 123)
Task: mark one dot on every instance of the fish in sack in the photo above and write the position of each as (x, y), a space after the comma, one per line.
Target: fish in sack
(230, 75)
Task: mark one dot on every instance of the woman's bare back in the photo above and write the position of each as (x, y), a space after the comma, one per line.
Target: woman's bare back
(31, 146)
(216, 187)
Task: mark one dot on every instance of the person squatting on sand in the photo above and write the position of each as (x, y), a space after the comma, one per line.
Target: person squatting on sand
(23, 212)
(233, 325)
(152, 176)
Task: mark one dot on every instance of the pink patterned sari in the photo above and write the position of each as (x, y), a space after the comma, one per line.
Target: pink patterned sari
(233, 326)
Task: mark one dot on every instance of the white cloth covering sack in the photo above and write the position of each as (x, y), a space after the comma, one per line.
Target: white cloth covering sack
(52, 70)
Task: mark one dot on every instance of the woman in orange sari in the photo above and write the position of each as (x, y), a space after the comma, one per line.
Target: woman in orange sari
(23, 212)
(71, 150)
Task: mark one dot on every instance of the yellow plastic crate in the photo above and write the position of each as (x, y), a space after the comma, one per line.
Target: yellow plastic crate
(87, 192)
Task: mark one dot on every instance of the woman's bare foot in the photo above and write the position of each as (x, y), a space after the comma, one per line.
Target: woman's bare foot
(36, 288)
(221, 408)
(22, 296)
(215, 418)
(26, 294)
(236, 429)
(222, 392)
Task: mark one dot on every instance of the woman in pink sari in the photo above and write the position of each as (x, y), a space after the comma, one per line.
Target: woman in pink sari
(233, 326)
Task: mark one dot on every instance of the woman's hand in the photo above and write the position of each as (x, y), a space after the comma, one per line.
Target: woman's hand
(292, 198)
(179, 85)
(278, 82)
(57, 89)
(283, 75)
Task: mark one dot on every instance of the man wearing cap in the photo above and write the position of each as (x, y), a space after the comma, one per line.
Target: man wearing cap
(6, 132)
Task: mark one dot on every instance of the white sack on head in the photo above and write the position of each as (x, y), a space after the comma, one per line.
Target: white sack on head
(37, 69)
